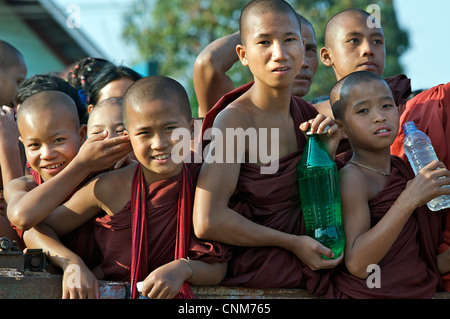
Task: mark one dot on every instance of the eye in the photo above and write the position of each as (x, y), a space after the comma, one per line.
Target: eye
(387, 106)
(170, 128)
(353, 40)
(378, 41)
(120, 131)
(59, 140)
(362, 111)
(33, 146)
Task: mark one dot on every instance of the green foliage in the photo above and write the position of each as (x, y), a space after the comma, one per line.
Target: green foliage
(173, 32)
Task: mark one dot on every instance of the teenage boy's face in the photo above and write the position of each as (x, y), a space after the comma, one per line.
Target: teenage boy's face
(273, 48)
(150, 126)
(51, 139)
(371, 119)
(356, 47)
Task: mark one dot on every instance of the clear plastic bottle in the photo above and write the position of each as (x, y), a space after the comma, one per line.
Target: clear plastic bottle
(420, 152)
(320, 196)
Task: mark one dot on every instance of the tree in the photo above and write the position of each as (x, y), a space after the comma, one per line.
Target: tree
(173, 32)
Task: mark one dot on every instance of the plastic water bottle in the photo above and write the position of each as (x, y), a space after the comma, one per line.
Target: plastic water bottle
(320, 197)
(420, 152)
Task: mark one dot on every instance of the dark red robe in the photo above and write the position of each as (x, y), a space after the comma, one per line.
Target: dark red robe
(113, 234)
(430, 111)
(271, 200)
(409, 269)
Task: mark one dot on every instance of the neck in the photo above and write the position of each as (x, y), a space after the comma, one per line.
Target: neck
(377, 160)
(271, 99)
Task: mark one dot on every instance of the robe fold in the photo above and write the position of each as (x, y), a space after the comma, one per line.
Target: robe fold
(272, 200)
(430, 111)
(409, 268)
(113, 234)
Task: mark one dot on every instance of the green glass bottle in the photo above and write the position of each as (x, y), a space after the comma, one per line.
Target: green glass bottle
(319, 195)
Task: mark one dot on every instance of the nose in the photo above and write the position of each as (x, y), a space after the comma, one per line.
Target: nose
(159, 141)
(47, 152)
(278, 51)
(379, 116)
(367, 49)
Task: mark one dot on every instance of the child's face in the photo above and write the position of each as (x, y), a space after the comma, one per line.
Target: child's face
(371, 118)
(150, 126)
(273, 49)
(107, 117)
(51, 139)
(356, 47)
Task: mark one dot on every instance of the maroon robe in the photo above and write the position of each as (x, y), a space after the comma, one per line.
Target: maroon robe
(409, 268)
(272, 200)
(113, 234)
(429, 110)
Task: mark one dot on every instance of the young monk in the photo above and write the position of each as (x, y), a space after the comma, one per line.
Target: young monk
(58, 155)
(352, 45)
(258, 213)
(211, 81)
(385, 219)
(148, 233)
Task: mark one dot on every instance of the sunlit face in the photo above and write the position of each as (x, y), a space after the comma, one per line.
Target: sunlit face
(52, 139)
(303, 80)
(273, 49)
(107, 117)
(10, 78)
(115, 88)
(371, 120)
(356, 47)
(150, 126)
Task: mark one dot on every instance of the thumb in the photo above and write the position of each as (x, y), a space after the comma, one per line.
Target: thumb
(326, 252)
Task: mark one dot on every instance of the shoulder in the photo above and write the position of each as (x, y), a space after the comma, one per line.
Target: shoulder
(112, 189)
(23, 183)
(236, 114)
(351, 175)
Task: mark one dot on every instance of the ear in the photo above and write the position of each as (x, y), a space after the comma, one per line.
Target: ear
(242, 54)
(82, 133)
(326, 57)
(342, 128)
(90, 108)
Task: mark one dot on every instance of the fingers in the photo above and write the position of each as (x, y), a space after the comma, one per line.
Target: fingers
(319, 125)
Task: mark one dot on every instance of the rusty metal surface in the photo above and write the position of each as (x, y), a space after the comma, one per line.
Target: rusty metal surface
(16, 285)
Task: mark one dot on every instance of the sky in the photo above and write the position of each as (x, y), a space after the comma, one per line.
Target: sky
(427, 21)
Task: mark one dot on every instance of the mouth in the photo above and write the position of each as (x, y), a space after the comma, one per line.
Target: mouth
(161, 157)
(369, 65)
(52, 166)
(302, 77)
(281, 69)
(382, 131)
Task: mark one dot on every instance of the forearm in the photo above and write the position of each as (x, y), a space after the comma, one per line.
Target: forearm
(371, 246)
(45, 238)
(207, 274)
(10, 163)
(38, 203)
(227, 226)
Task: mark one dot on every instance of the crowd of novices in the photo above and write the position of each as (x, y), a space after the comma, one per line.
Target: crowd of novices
(88, 176)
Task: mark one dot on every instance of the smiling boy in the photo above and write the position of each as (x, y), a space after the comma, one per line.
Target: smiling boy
(145, 237)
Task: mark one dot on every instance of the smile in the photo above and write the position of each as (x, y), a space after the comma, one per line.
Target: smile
(53, 166)
(161, 157)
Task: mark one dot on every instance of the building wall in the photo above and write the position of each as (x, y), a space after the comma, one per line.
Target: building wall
(38, 58)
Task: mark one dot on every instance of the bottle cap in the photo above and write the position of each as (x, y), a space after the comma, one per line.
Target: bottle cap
(324, 131)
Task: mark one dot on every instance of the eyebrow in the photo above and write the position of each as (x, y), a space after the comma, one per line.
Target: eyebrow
(265, 35)
(386, 97)
(354, 34)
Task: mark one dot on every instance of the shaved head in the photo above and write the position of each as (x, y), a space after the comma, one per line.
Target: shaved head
(339, 19)
(48, 101)
(153, 88)
(260, 7)
(339, 94)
